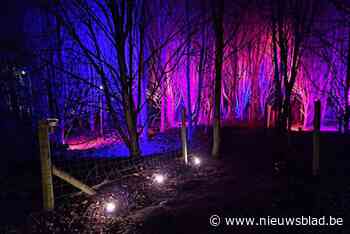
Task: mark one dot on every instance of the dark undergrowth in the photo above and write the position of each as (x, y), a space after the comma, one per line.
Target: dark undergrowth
(259, 174)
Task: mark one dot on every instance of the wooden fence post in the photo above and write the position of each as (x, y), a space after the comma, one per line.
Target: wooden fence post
(46, 168)
(183, 136)
(316, 139)
(70, 179)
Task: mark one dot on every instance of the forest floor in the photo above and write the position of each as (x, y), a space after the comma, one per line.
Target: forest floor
(257, 175)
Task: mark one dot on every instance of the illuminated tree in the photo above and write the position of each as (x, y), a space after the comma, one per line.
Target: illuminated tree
(105, 34)
(294, 22)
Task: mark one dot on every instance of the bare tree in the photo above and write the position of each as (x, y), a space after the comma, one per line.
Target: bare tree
(294, 21)
(112, 23)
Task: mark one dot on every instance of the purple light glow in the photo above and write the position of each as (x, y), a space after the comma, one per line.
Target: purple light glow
(248, 75)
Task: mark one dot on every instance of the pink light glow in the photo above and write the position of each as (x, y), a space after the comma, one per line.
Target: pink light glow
(247, 81)
(82, 143)
(310, 129)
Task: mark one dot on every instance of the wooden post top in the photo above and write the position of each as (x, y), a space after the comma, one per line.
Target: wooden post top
(317, 115)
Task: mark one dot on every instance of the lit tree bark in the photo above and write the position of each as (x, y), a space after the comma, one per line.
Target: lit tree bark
(201, 68)
(200, 86)
(60, 133)
(276, 103)
(123, 30)
(346, 91)
(101, 114)
(92, 98)
(300, 23)
(128, 99)
(188, 71)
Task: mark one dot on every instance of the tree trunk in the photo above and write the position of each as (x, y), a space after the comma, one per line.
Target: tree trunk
(162, 107)
(142, 79)
(188, 71)
(100, 111)
(60, 132)
(202, 61)
(346, 91)
(286, 114)
(219, 47)
(126, 77)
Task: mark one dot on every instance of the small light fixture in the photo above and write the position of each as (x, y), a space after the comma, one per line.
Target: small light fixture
(196, 161)
(101, 87)
(159, 178)
(110, 207)
(23, 72)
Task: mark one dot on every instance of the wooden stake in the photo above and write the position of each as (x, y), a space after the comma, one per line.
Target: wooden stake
(71, 180)
(46, 171)
(316, 139)
(183, 136)
(268, 116)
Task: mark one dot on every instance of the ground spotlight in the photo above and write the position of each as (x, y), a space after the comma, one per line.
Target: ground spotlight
(196, 161)
(159, 178)
(110, 207)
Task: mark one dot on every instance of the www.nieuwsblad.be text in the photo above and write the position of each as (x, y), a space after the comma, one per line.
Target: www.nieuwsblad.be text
(216, 220)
